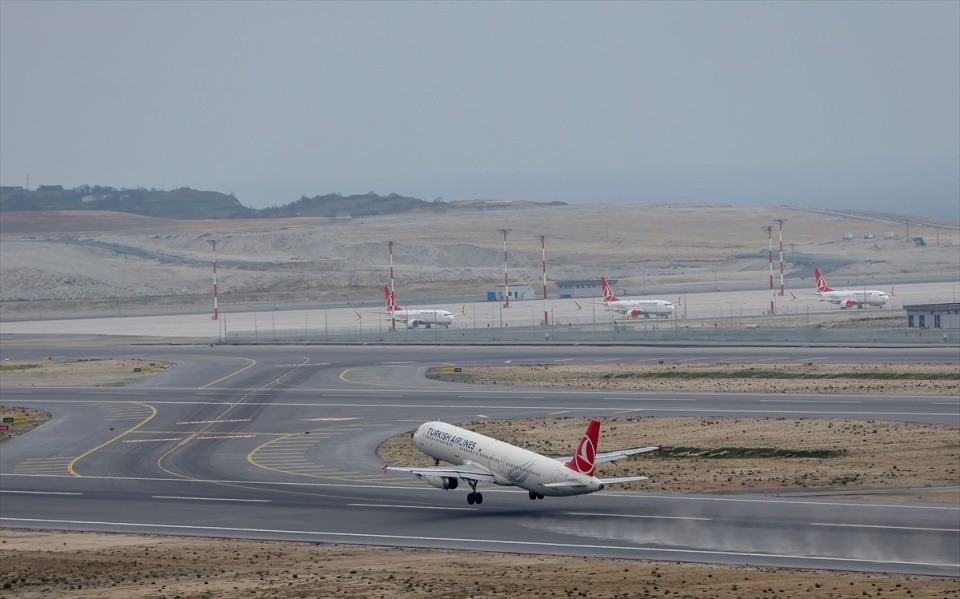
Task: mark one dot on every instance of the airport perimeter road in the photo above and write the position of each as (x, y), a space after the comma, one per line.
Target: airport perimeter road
(279, 443)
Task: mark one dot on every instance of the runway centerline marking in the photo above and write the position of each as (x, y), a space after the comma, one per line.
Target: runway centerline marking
(413, 507)
(211, 499)
(806, 401)
(40, 492)
(214, 421)
(602, 515)
(884, 527)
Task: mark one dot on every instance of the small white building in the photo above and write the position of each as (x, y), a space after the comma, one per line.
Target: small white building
(517, 292)
(582, 288)
(933, 316)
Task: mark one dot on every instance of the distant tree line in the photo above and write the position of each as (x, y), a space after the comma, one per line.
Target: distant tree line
(187, 203)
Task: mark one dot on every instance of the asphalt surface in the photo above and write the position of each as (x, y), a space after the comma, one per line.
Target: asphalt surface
(279, 443)
(730, 309)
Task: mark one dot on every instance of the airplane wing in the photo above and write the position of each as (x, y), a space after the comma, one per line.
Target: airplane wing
(466, 471)
(613, 456)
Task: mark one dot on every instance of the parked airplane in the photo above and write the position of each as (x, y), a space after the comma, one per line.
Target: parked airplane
(634, 308)
(414, 318)
(848, 298)
(477, 458)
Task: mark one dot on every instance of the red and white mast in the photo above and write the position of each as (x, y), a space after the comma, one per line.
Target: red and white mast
(543, 252)
(506, 284)
(770, 258)
(780, 222)
(393, 319)
(216, 307)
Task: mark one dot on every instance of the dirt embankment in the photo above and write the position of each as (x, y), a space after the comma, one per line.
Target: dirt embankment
(833, 379)
(78, 565)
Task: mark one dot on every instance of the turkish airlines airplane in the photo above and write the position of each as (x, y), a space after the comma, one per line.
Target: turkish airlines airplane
(634, 308)
(414, 318)
(848, 298)
(477, 458)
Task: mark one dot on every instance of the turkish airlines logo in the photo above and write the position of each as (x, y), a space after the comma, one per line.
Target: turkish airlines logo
(608, 295)
(586, 454)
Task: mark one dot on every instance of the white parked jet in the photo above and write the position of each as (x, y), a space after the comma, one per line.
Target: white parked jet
(634, 308)
(860, 298)
(477, 458)
(414, 318)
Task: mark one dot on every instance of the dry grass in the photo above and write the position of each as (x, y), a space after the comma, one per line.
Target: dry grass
(75, 565)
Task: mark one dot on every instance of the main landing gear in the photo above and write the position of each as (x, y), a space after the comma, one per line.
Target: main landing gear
(534, 496)
(474, 497)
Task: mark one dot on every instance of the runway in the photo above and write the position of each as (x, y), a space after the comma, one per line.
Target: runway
(279, 443)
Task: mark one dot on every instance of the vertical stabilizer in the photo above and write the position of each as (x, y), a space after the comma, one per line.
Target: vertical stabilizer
(821, 282)
(391, 300)
(583, 458)
(608, 295)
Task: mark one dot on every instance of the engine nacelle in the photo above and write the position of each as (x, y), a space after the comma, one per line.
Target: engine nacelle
(412, 324)
(848, 304)
(442, 482)
(635, 313)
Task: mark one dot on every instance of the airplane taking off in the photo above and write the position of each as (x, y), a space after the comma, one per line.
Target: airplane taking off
(634, 308)
(478, 458)
(412, 317)
(848, 298)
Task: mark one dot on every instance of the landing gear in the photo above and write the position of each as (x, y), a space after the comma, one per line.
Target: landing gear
(473, 497)
(535, 496)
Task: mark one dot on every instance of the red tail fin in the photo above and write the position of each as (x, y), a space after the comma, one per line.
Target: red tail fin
(821, 282)
(608, 295)
(391, 301)
(586, 453)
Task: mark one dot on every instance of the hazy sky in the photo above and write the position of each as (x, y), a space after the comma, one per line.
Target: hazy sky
(833, 104)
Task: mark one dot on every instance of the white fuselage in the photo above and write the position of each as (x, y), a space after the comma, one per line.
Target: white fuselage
(415, 318)
(848, 298)
(509, 464)
(637, 308)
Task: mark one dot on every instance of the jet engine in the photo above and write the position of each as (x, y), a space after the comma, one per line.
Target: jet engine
(442, 482)
(634, 313)
(412, 324)
(849, 303)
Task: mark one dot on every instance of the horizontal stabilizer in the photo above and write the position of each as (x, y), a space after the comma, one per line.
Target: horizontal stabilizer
(613, 456)
(624, 479)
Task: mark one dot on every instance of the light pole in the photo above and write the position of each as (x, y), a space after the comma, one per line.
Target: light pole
(543, 251)
(506, 285)
(393, 318)
(216, 307)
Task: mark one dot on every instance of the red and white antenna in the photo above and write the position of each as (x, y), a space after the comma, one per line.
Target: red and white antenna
(216, 306)
(506, 284)
(780, 222)
(543, 252)
(770, 257)
(393, 319)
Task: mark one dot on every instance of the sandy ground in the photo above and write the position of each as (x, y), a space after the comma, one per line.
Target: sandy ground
(74, 565)
(108, 263)
(872, 456)
(910, 379)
